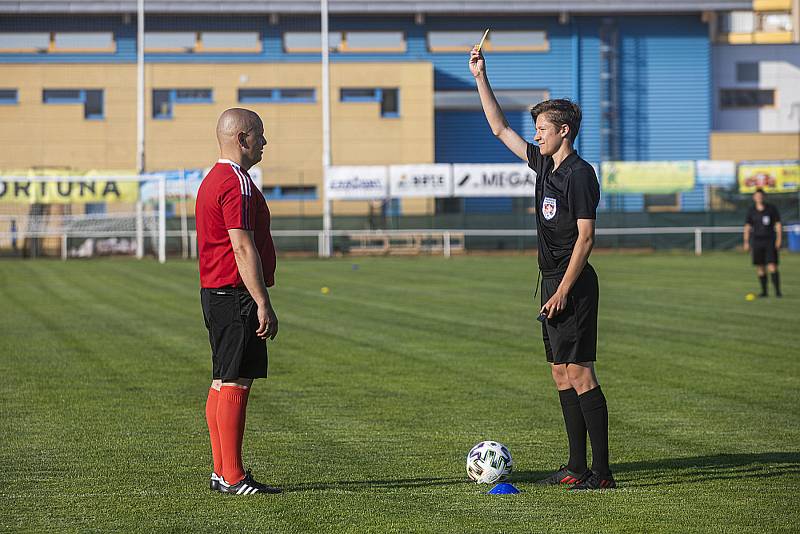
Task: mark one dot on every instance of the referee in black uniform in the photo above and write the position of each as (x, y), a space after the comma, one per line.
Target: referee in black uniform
(567, 194)
(763, 226)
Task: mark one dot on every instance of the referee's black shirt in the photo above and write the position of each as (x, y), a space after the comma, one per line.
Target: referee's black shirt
(763, 222)
(562, 197)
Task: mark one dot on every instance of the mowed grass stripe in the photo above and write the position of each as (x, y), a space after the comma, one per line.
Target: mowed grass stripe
(379, 388)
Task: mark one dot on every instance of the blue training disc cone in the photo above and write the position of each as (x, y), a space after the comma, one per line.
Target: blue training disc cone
(503, 489)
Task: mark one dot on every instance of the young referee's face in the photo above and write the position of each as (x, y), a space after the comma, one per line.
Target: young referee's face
(548, 135)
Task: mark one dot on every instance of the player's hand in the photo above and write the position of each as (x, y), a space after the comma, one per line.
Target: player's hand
(267, 322)
(477, 64)
(747, 247)
(556, 305)
(778, 244)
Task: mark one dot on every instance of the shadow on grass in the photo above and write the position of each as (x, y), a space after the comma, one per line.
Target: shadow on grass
(659, 472)
(696, 469)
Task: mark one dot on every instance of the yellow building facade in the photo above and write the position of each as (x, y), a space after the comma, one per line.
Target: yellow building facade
(36, 134)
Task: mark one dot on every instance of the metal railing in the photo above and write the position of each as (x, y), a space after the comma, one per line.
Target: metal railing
(446, 236)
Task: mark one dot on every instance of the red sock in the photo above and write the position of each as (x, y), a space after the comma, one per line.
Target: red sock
(231, 410)
(213, 430)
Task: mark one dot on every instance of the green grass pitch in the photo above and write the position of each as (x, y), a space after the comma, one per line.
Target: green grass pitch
(380, 388)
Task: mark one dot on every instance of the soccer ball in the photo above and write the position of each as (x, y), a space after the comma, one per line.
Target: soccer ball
(489, 462)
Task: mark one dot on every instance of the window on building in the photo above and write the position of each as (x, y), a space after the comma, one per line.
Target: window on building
(170, 41)
(24, 41)
(775, 22)
(83, 42)
(8, 96)
(92, 100)
(388, 98)
(517, 40)
(290, 192)
(256, 95)
(390, 103)
(193, 96)
(93, 104)
(359, 95)
(737, 22)
(231, 41)
(374, 42)
(309, 41)
(747, 72)
(297, 95)
(62, 96)
(165, 99)
(162, 104)
(746, 98)
(497, 41)
(455, 41)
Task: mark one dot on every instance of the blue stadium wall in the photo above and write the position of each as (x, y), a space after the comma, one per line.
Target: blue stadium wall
(664, 66)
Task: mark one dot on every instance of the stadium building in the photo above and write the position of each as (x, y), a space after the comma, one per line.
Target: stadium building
(678, 80)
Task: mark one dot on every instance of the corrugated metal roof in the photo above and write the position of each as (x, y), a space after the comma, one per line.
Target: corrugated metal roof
(372, 6)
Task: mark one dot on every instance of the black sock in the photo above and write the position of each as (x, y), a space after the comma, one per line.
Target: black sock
(576, 429)
(595, 413)
(776, 281)
(763, 279)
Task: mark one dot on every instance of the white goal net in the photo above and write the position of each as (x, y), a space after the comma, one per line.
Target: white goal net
(80, 216)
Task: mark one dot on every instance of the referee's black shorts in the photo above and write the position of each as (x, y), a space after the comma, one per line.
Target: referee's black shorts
(231, 317)
(764, 252)
(571, 336)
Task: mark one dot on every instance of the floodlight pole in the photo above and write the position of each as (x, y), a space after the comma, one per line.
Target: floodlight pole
(325, 247)
(140, 87)
(139, 120)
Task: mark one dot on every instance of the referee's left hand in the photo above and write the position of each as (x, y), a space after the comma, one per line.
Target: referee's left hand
(556, 304)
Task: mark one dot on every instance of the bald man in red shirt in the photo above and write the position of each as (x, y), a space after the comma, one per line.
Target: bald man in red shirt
(237, 264)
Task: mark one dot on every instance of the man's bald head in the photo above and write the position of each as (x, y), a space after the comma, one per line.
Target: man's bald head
(234, 121)
(240, 134)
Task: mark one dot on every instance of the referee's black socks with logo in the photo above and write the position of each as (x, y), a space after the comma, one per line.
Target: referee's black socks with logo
(576, 429)
(595, 414)
(776, 281)
(763, 279)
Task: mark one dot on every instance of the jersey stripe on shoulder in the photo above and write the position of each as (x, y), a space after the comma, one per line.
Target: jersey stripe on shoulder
(243, 181)
(244, 187)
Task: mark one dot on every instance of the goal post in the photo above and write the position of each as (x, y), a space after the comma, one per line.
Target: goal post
(70, 215)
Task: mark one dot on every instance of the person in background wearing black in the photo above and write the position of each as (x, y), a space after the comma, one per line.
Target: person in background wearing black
(763, 234)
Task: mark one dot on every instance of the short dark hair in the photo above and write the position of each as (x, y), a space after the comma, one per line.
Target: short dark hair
(760, 190)
(560, 111)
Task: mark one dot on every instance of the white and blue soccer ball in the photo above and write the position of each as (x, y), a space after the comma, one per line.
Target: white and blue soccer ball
(489, 462)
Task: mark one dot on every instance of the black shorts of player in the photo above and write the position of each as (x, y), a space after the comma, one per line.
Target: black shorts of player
(231, 317)
(764, 252)
(571, 336)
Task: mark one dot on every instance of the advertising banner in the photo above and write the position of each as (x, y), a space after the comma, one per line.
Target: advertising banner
(654, 177)
(369, 182)
(493, 180)
(772, 176)
(421, 180)
(720, 173)
(33, 187)
(174, 184)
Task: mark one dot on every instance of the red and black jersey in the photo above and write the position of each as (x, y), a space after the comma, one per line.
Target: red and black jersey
(228, 199)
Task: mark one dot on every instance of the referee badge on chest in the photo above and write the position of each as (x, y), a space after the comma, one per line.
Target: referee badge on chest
(549, 208)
